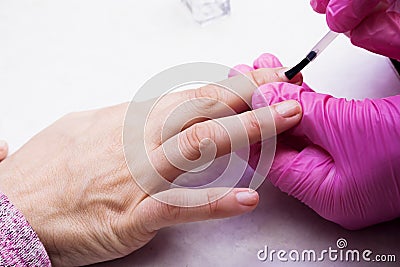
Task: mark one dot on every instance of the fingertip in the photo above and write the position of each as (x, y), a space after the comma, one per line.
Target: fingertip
(264, 76)
(319, 6)
(342, 16)
(335, 23)
(288, 109)
(297, 79)
(287, 114)
(339, 17)
(246, 197)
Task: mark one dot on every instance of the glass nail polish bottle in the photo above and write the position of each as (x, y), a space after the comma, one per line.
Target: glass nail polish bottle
(206, 10)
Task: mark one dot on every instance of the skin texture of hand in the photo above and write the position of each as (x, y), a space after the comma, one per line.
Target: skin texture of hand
(72, 183)
(265, 61)
(3, 150)
(371, 24)
(343, 158)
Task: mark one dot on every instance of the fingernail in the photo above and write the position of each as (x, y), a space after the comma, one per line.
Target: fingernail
(288, 108)
(247, 198)
(281, 74)
(298, 79)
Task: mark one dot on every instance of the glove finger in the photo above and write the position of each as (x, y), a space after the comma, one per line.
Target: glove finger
(239, 69)
(319, 123)
(319, 6)
(311, 176)
(345, 15)
(380, 33)
(267, 60)
(308, 175)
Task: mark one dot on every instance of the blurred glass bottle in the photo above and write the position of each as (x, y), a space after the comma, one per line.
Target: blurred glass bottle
(206, 10)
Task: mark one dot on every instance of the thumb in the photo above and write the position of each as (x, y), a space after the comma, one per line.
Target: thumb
(321, 113)
(379, 33)
(181, 205)
(267, 60)
(345, 15)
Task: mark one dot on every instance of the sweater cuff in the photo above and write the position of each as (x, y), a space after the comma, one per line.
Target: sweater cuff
(19, 244)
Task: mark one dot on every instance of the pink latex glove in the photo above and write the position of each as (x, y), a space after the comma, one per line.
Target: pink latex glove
(371, 24)
(343, 159)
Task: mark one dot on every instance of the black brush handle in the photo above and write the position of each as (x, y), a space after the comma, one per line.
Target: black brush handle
(299, 67)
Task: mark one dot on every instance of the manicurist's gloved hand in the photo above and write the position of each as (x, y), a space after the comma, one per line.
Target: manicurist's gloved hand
(343, 159)
(371, 24)
(73, 185)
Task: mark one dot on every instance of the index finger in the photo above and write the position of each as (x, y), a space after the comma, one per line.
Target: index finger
(229, 97)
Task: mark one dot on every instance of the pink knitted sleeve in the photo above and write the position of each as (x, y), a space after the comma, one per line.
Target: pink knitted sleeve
(19, 244)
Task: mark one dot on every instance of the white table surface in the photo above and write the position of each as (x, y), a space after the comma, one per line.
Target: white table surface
(62, 56)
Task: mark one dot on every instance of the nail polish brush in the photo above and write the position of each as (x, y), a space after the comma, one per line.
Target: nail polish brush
(315, 51)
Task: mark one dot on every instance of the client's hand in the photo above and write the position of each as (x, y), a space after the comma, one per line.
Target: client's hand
(3, 150)
(72, 183)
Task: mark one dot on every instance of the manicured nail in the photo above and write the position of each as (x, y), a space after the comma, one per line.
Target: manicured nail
(288, 108)
(247, 198)
(281, 74)
(298, 79)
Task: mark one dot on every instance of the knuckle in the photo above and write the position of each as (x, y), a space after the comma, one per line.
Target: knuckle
(202, 130)
(207, 98)
(263, 76)
(208, 91)
(276, 77)
(258, 77)
(252, 121)
(172, 212)
(174, 208)
(192, 138)
(212, 203)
